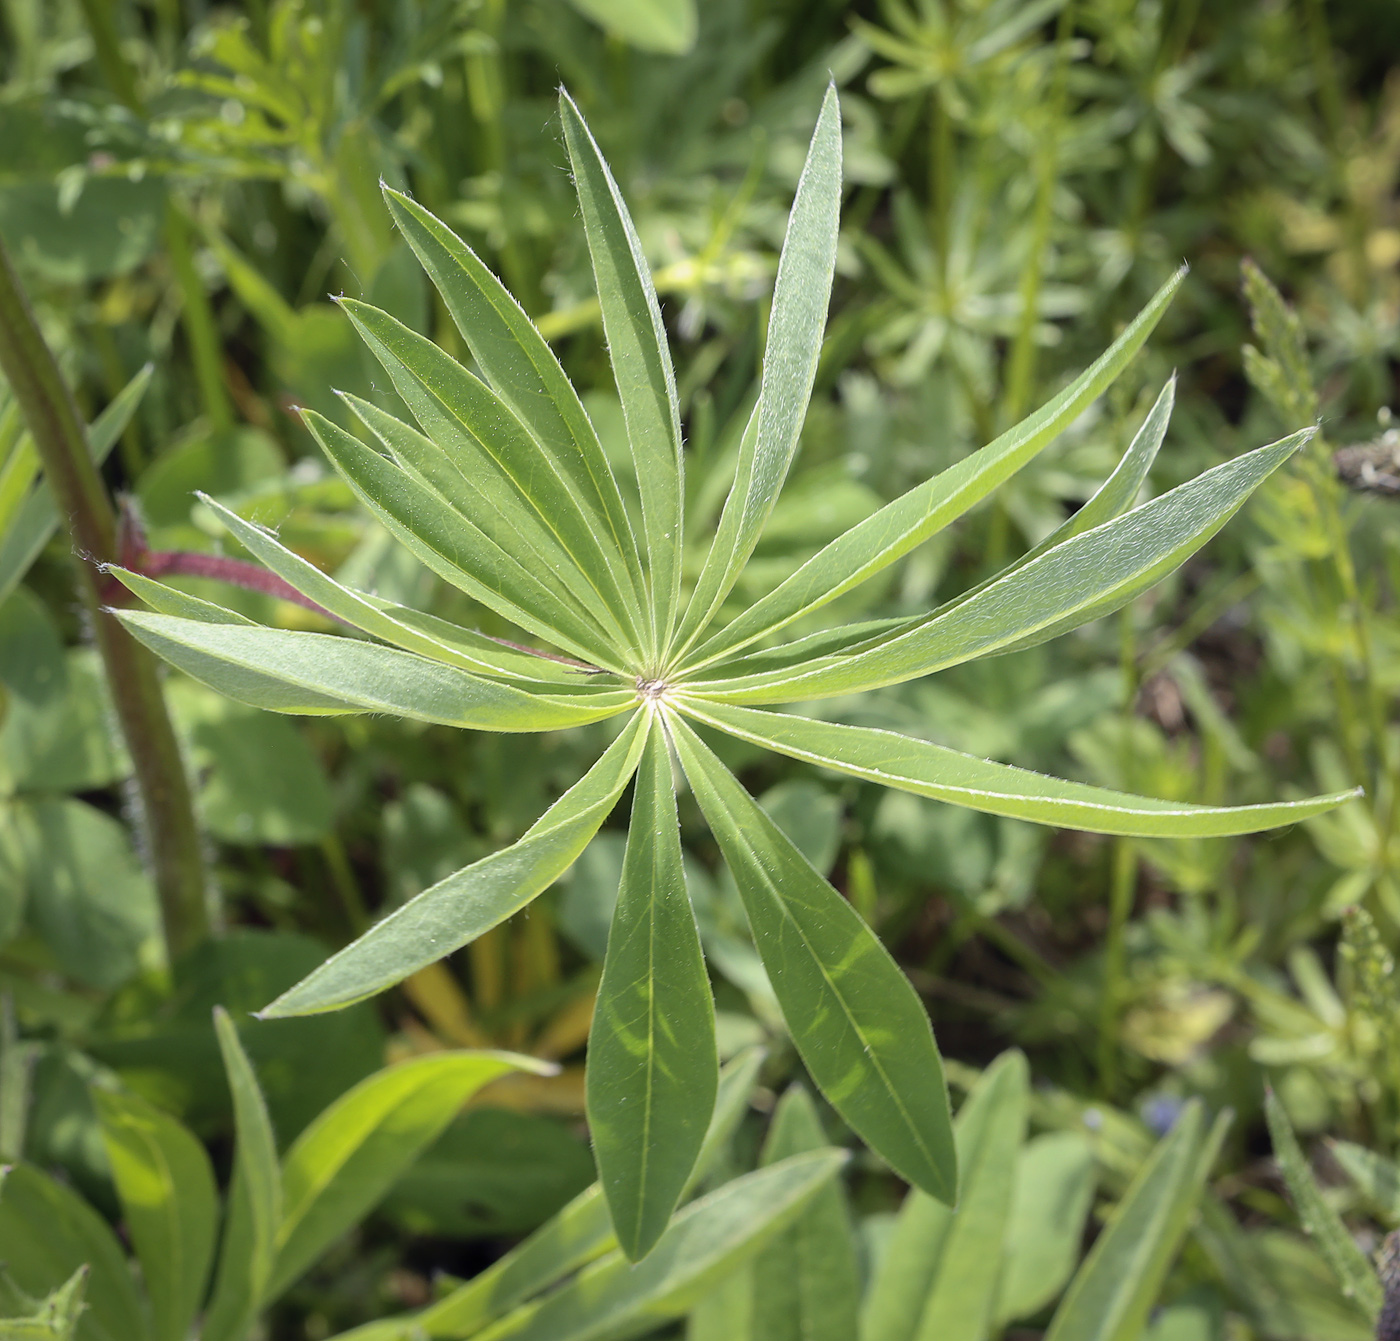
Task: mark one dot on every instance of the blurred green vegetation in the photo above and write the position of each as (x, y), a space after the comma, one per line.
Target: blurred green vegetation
(185, 185)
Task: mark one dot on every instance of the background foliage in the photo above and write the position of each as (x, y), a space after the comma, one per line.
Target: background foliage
(184, 185)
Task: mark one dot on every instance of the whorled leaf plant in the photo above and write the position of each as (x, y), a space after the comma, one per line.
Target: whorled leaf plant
(503, 489)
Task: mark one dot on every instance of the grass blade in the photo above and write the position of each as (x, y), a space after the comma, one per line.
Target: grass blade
(255, 1200)
(1082, 579)
(641, 360)
(315, 673)
(899, 526)
(856, 1021)
(460, 908)
(652, 1067)
(171, 1205)
(800, 296)
(926, 769)
(523, 371)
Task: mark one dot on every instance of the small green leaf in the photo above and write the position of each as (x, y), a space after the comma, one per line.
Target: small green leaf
(800, 296)
(899, 526)
(47, 1232)
(53, 1318)
(652, 1068)
(938, 1277)
(918, 766)
(1374, 1176)
(706, 1241)
(664, 26)
(166, 600)
(248, 1248)
(344, 1163)
(1053, 1197)
(523, 371)
(1081, 579)
(858, 1024)
(167, 1191)
(1324, 1226)
(316, 673)
(1114, 1291)
(459, 909)
(641, 361)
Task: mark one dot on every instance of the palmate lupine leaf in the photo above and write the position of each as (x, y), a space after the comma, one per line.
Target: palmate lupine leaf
(507, 495)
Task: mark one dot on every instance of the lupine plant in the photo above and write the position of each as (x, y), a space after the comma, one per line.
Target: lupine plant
(504, 490)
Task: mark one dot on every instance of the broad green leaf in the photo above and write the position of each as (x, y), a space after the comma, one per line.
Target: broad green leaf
(665, 26)
(652, 1068)
(347, 1160)
(806, 1284)
(47, 1232)
(1053, 1197)
(315, 673)
(708, 1239)
(249, 1244)
(459, 909)
(898, 527)
(470, 651)
(641, 361)
(523, 371)
(448, 543)
(1324, 1226)
(938, 1277)
(37, 516)
(578, 1234)
(800, 296)
(171, 1205)
(919, 766)
(1091, 575)
(858, 1024)
(1114, 1291)
(484, 464)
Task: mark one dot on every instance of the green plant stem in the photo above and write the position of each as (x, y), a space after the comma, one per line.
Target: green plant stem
(167, 810)
(205, 346)
(101, 23)
(1120, 908)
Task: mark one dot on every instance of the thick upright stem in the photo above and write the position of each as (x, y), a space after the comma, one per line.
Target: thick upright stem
(167, 810)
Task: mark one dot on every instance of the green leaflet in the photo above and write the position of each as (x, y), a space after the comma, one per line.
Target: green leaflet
(463, 906)
(482, 462)
(641, 360)
(171, 1205)
(800, 296)
(295, 672)
(652, 1068)
(523, 371)
(858, 1024)
(248, 1247)
(926, 769)
(901, 525)
(1053, 1197)
(470, 652)
(1088, 576)
(47, 1232)
(938, 1278)
(448, 543)
(706, 1241)
(351, 1155)
(1114, 1291)
(1324, 1226)
(24, 534)
(166, 600)
(581, 1232)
